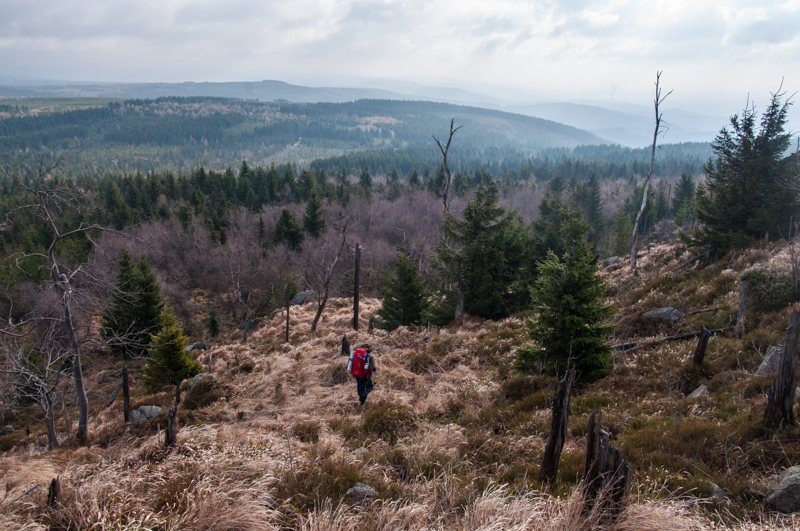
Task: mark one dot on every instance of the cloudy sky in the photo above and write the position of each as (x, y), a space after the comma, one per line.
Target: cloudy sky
(592, 49)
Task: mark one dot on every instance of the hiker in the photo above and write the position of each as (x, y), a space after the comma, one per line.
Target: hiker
(361, 366)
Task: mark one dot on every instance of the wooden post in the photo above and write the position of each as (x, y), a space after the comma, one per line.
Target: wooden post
(780, 399)
(370, 325)
(126, 395)
(171, 431)
(558, 430)
(288, 305)
(355, 288)
(742, 306)
(462, 287)
(702, 343)
(54, 492)
(177, 394)
(605, 467)
(591, 468)
(345, 345)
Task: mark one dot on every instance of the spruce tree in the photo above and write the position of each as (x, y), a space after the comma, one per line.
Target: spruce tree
(305, 185)
(135, 309)
(594, 209)
(169, 363)
(684, 192)
(569, 330)
(365, 183)
(621, 233)
(404, 295)
(213, 322)
(314, 217)
(288, 231)
(413, 179)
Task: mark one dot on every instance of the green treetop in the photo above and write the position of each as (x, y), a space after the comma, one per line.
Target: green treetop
(314, 217)
(404, 295)
(288, 231)
(169, 363)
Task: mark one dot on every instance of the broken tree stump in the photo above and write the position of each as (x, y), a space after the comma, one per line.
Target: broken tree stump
(171, 430)
(780, 399)
(605, 470)
(462, 288)
(702, 344)
(345, 345)
(54, 492)
(126, 395)
(558, 430)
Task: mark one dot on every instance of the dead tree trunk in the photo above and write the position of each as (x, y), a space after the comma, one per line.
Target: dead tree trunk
(288, 305)
(345, 345)
(126, 395)
(326, 281)
(177, 394)
(171, 431)
(742, 306)
(658, 101)
(558, 430)
(462, 287)
(447, 178)
(702, 343)
(355, 287)
(605, 468)
(780, 401)
(54, 492)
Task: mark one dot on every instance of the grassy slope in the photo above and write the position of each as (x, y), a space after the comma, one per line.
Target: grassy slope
(450, 439)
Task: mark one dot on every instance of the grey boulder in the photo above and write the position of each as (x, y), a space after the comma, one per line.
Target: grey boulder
(200, 345)
(196, 379)
(614, 260)
(361, 491)
(303, 297)
(7, 430)
(771, 360)
(700, 391)
(663, 313)
(102, 377)
(784, 493)
(145, 413)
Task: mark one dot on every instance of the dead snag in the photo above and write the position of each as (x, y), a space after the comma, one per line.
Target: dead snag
(345, 345)
(779, 413)
(54, 492)
(355, 287)
(605, 468)
(558, 430)
(171, 431)
(445, 186)
(177, 394)
(126, 395)
(702, 344)
(462, 288)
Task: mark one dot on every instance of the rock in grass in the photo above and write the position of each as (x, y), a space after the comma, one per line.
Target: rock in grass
(145, 413)
(614, 260)
(102, 377)
(664, 313)
(7, 430)
(784, 493)
(771, 360)
(700, 391)
(303, 297)
(361, 491)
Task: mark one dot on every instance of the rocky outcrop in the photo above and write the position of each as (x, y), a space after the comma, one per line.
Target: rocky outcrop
(771, 360)
(663, 313)
(145, 413)
(303, 297)
(784, 493)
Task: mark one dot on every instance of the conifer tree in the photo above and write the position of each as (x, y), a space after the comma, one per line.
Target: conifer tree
(305, 185)
(621, 233)
(169, 363)
(413, 179)
(289, 178)
(135, 309)
(569, 330)
(288, 231)
(365, 182)
(404, 295)
(213, 322)
(594, 209)
(314, 217)
(684, 192)
(274, 184)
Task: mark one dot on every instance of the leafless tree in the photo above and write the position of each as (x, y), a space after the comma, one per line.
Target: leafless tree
(446, 185)
(658, 130)
(320, 265)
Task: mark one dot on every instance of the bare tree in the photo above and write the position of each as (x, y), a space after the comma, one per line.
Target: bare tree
(50, 203)
(446, 185)
(320, 266)
(657, 102)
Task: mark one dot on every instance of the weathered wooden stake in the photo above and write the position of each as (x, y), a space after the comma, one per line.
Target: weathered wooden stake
(177, 394)
(345, 345)
(605, 467)
(288, 305)
(126, 395)
(558, 430)
(355, 287)
(370, 325)
(462, 287)
(742, 305)
(54, 492)
(171, 430)
(702, 344)
(780, 399)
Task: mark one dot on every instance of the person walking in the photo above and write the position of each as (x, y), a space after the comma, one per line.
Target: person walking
(361, 366)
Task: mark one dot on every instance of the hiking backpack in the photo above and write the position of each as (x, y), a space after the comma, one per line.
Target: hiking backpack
(361, 364)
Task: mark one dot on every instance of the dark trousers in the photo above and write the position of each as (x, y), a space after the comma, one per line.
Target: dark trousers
(364, 387)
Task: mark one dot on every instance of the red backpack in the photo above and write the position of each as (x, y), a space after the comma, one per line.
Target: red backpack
(361, 364)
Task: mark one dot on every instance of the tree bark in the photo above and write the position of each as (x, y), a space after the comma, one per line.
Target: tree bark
(558, 430)
(77, 371)
(605, 468)
(50, 420)
(126, 395)
(327, 281)
(658, 100)
(54, 492)
(462, 287)
(345, 345)
(288, 305)
(171, 431)
(702, 343)
(446, 185)
(780, 403)
(355, 287)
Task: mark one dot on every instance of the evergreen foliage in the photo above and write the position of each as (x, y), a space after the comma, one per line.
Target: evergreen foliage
(169, 363)
(135, 309)
(621, 233)
(213, 322)
(594, 209)
(365, 182)
(684, 192)
(288, 231)
(751, 189)
(314, 217)
(489, 246)
(404, 295)
(569, 330)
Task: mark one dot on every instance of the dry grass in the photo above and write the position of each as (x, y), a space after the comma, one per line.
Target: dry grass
(450, 438)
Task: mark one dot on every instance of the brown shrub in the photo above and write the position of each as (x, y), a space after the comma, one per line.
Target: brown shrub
(204, 393)
(389, 422)
(307, 431)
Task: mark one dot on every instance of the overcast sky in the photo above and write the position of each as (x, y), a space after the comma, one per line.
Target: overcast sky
(594, 49)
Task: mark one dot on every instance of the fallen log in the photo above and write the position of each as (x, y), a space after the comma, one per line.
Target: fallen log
(679, 337)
